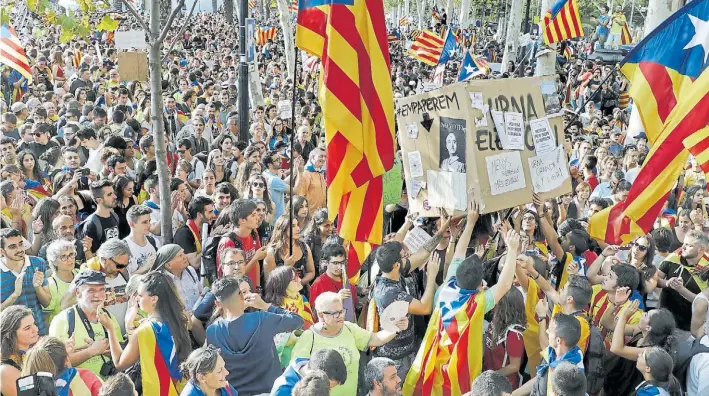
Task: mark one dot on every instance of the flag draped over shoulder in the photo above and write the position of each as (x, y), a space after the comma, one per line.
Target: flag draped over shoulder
(562, 21)
(77, 382)
(427, 48)
(450, 356)
(625, 37)
(11, 52)
(158, 360)
(670, 87)
(358, 111)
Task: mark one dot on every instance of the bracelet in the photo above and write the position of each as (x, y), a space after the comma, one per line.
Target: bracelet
(534, 277)
(542, 319)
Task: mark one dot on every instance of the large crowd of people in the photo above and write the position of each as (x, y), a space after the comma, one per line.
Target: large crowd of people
(261, 303)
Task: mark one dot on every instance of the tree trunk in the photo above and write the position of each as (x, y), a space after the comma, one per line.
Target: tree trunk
(657, 12)
(267, 9)
(229, 10)
(165, 6)
(512, 37)
(288, 35)
(464, 10)
(449, 11)
(215, 7)
(406, 8)
(419, 9)
(156, 117)
(546, 64)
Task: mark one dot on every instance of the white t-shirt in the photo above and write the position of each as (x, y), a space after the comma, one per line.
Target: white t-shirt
(116, 299)
(697, 380)
(188, 287)
(141, 256)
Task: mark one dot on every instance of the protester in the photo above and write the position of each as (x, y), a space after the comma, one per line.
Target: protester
(328, 360)
(206, 374)
(18, 332)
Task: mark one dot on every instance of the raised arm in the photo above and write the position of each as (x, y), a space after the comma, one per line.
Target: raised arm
(504, 282)
(593, 274)
(547, 229)
(473, 215)
(618, 346)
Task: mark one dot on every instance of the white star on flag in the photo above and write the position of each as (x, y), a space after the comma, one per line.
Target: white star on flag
(701, 35)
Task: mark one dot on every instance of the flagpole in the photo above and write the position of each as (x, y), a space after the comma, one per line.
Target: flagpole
(292, 139)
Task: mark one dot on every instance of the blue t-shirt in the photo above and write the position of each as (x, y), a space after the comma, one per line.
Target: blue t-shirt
(286, 382)
(28, 297)
(603, 30)
(277, 189)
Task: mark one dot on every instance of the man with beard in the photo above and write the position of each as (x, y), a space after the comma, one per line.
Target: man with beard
(381, 378)
(102, 225)
(189, 236)
(63, 227)
(23, 277)
(80, 322)
(680, 277)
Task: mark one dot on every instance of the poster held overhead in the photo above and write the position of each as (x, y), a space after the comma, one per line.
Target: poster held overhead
(548, 170)
(505, 172)
(514, 131)
(543, 136)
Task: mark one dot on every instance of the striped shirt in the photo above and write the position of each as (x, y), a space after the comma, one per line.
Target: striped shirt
(28, 297)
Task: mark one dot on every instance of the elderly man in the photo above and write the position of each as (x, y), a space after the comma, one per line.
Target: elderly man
(80, 322)
(63, 227)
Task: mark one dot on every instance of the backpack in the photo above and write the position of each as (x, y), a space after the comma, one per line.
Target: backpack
(593, 360)
(93, 219)
(211, 252)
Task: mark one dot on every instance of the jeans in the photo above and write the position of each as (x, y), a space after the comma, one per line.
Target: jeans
(614, 40)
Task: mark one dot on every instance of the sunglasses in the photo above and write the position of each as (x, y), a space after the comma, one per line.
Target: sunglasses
(258, 184)
(119, 265)
(640, 247)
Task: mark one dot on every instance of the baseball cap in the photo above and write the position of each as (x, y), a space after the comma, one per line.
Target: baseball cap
(90, 277)
(18, 107)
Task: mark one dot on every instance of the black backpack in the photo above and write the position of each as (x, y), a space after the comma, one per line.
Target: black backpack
(93, 218)
(210, 253)
(593, 360)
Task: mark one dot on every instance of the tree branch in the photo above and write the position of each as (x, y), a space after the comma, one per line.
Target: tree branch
(173, 15)
(182, 30)
(135, 14)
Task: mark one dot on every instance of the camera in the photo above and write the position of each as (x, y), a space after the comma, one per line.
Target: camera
(108, 369)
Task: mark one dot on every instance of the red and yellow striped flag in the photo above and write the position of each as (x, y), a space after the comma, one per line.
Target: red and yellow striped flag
(265, 33)
(427, 48)
(562, 21)
(698, 146)
(625, 37)
(11, 52)
(358, 110)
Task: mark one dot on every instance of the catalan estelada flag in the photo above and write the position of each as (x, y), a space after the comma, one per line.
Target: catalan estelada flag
(358, 110)
(472, 66)
(427, 48)
(265, 33)
(562, 22)
(670, 87)
(403, 21)
(77, 382)
(11, 52)
(450, 357)
(414, 34)
(158, 360)
(252, 4)
(625, 37)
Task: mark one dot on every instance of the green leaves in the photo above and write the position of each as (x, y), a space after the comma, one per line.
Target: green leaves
(107, 24)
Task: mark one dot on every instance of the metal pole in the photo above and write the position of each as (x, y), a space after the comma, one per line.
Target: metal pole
(243, 75)
(292, 139)
(632, 12)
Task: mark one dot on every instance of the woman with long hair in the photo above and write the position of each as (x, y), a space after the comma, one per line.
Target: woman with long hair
(162, 336)
(280, 254)
(579, 205)
(215, 162)
(278, 134)
(504, 345)
(30, 168)
(143, 113)
(257, 187)
(693, 200)
(642, 252)
(206, 374)
(655, 329)
(265, 229)
(50, 355)
(283, 289)
(80, 95)
(252, 155)
(656, 366)
(57, 65)
(316, 234)
(300, 211)
(529, 223)
(42, 215)
(17, 333)
(125, 199)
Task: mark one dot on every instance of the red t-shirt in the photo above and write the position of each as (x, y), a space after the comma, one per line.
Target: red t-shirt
(499, 355)
(323, 284)
(250, 245)
(593, 182)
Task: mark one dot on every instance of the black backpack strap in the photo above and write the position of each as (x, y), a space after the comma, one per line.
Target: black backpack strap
(71, 321)
(152, 242)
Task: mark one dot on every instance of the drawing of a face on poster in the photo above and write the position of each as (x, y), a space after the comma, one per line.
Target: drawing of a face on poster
(452, 144)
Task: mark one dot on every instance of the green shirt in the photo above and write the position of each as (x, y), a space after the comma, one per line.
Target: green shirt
(60, 328)
(57, 289)
(351, 340)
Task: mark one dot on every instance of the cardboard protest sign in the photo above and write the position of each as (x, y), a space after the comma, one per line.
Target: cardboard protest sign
(133, 66)
(461, 156)
(393, 184)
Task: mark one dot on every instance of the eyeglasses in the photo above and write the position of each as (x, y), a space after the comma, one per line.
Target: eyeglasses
(180, 151)
(343, 262)
(68, 256)
(334, 314)
(233, 263)
(640, 247)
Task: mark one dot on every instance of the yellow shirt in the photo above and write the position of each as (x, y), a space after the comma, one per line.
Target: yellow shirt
(599, 305)
(531, 332)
